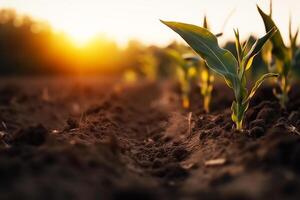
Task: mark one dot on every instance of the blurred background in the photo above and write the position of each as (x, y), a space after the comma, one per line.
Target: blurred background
(113, 37)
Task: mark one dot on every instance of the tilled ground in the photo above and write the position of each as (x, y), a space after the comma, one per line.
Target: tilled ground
(98, 138)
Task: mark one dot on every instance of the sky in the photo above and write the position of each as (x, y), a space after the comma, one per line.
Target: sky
(124, 20)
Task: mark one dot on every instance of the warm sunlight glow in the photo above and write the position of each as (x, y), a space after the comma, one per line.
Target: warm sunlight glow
(139, 19)
(80, 37)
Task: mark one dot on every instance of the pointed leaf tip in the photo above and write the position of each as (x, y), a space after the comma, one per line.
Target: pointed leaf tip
(162, 21)
(279, 48)
(256, 48)
(258, 84)
(203, 42)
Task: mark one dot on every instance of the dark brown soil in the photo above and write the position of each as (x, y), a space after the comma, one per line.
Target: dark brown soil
(98, 138)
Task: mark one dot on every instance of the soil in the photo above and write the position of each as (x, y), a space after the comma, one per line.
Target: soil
(99, 138)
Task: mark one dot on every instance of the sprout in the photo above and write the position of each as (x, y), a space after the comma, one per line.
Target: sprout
(149, 66)
(199, 69)
(225, 64)
(204, 77)
(280, 59)
(185, 72)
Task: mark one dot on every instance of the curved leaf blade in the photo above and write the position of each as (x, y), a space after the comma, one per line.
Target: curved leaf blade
(206, 45)
(258, 84)
(266, 53)
(238, 45)
(279, 49)
(256, 48)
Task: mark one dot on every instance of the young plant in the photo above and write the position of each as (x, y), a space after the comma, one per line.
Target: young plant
(206, 80)
(280, 58)
(149, 66)
(204, 77)
(225, 64)
(185, 72)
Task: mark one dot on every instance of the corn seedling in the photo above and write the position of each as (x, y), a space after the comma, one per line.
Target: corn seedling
(279, 58)
(149, 66)
(222, 61)
(204, 75)
(185, 72)
(206, 78)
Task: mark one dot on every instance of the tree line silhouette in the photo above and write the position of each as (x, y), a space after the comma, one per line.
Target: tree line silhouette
(31, 47)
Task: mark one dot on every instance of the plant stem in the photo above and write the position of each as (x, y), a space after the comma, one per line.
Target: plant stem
(206, 103)
(239, 125)
(185, 101)
(240, 116)
(285, 87)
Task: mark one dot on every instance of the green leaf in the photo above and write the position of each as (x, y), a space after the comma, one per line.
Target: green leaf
(206, 45)
(290, 28)
(293, 38)
(266, 53)
(271, 8)
(238, 45)
(246, 46)
(258, 84)
(234, 112)
(279, 49)
(205, 23)
(296, 57)
(256, 48)
(294, 41)
(238, 114)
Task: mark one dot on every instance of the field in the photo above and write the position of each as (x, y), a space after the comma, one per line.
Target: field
(149, 100)
(101, 138)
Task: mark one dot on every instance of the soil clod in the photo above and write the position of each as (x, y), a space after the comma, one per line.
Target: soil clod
(33, 135)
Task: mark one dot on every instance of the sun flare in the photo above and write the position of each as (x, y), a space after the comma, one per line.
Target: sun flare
(135, 19)
(80, 37)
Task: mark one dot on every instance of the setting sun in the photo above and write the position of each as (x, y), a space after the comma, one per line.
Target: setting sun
(149, 99)
(135, 19)
(82, 36)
